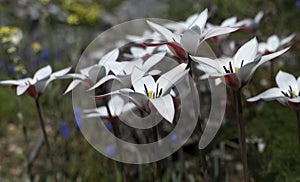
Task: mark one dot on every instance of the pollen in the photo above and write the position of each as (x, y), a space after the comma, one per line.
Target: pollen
(236, 69)
(150, 94)
(293, 94)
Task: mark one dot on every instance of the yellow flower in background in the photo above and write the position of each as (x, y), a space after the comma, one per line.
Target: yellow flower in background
(73, 19)
(36, 46)
(81, 11)
(11, 50)
(21, 69)
(45, 1)
(10, 35)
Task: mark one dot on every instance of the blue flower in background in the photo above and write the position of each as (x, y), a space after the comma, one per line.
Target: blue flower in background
(109, 126)
(174, 138)
(10, 69)
(65, 130)
(78, 118)
(110, 151)
(45, 54)
(297, 3)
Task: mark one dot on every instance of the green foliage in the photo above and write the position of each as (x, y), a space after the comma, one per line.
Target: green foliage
(277, 125)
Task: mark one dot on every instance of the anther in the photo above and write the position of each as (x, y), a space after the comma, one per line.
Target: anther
(230, 67)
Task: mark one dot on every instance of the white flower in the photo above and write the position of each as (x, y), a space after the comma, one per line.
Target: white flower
(274, 43)
(287, 92)
(193, 20)
(92, 74)
(148, 93)
(36, 85)
(128, 67)
(191, 38)
(116, 106)
(238, 70)
(250, 23)
(229, 22)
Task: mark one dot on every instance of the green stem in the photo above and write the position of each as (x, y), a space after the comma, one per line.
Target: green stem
(202, 153)
(157, 164)
(203, 162)
(42, 123)
(117, 133)
(242, 133)
(298, 123)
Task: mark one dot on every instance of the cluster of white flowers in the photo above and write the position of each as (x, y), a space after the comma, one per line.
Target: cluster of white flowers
(151, 89)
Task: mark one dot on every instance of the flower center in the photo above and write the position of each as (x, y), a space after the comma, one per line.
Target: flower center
(290, 93)
(151, 94)
(230, 68)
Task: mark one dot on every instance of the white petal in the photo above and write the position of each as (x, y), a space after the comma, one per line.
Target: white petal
(104, 80)
(258, 17)
(270, 94)
(137, 52)
(218, 31)
(167, 34)
(10, 82)
(96, 112)
(246, 72)
(138, 99)
(57, 75)
(154, 72)
(128, 66)
(116, 104)
(273, 43)
(262, 47)
(285, 81)
(43, 73)
(116, 67)
(74, 76)
(191, 19)
(137, 73)
(40, 86)
(85, 71)
(21, 89)
(246, 53)
(288, 39)
(61, 72)
(166, 80)
(153, 60)
(178, 26)
(209, 62)
(165, 107)
(96, 73)
(123, 91)
(190, 41)
(269, 57)
(295, 100)
(207, 70)
(72, 85)
(111, 56)
(201, 20)
(139, 85)
(229, 22)
(244, 23)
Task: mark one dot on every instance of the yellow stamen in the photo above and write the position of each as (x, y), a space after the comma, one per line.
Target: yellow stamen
(236, 69)
(150, 94)
(293, 94)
